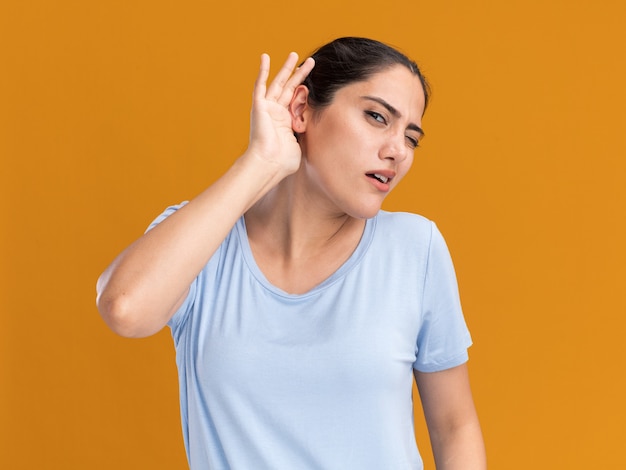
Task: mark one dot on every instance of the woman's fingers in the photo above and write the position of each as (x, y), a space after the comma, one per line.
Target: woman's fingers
(275, 89)
(284, 84)
(260, 85)
(271, 134)
(296, 79)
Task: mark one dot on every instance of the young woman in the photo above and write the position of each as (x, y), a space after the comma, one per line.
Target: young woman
(300, 311)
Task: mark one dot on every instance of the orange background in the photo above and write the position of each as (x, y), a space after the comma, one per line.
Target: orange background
(110, 111)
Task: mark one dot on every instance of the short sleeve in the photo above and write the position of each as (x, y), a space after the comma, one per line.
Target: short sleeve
(443, 338)
(165, 214)
(178, 318)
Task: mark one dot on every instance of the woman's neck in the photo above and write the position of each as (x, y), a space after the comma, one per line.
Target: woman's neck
(297, 243)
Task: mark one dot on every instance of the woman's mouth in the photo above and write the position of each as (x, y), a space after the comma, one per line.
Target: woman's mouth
(382, 178)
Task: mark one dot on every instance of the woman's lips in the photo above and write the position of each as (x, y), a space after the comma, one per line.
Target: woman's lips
(381, 179)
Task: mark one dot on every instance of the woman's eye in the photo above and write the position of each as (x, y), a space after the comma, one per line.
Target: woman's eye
(413, 143)
(376, 116)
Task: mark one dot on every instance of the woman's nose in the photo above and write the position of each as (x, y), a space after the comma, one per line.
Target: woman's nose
(394, 148)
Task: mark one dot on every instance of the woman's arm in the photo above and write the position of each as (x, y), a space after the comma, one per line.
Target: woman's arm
(451, 418)
(145, 285)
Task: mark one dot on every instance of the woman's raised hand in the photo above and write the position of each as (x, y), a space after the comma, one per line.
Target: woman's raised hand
(271, 135)
(146, 284)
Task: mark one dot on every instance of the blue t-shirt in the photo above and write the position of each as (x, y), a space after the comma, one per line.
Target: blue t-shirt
(321, 380)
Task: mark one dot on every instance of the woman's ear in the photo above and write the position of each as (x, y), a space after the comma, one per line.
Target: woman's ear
(298, 108)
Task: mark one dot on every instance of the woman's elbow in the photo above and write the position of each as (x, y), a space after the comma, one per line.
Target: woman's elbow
(122, 317)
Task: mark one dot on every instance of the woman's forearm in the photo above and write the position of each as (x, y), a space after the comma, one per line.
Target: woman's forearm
(460, 449)
(142, 288)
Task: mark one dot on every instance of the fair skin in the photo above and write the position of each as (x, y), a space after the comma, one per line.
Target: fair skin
(305, 202)
(453, 426)
(309, 224)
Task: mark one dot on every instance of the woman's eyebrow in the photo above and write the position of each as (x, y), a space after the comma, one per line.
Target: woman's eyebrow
(394, 112)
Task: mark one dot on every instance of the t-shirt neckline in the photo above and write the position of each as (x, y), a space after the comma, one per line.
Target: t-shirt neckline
(341, 272)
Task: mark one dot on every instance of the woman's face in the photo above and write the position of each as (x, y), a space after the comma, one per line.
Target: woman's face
(358, 148)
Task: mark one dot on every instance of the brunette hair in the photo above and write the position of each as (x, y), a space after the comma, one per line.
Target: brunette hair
(353, 59)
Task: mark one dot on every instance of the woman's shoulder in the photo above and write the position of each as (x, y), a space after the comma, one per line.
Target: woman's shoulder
(403, 240)
(404, 222)
(403, 232)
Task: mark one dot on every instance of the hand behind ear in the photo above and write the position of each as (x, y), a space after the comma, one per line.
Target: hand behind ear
(275, 111)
